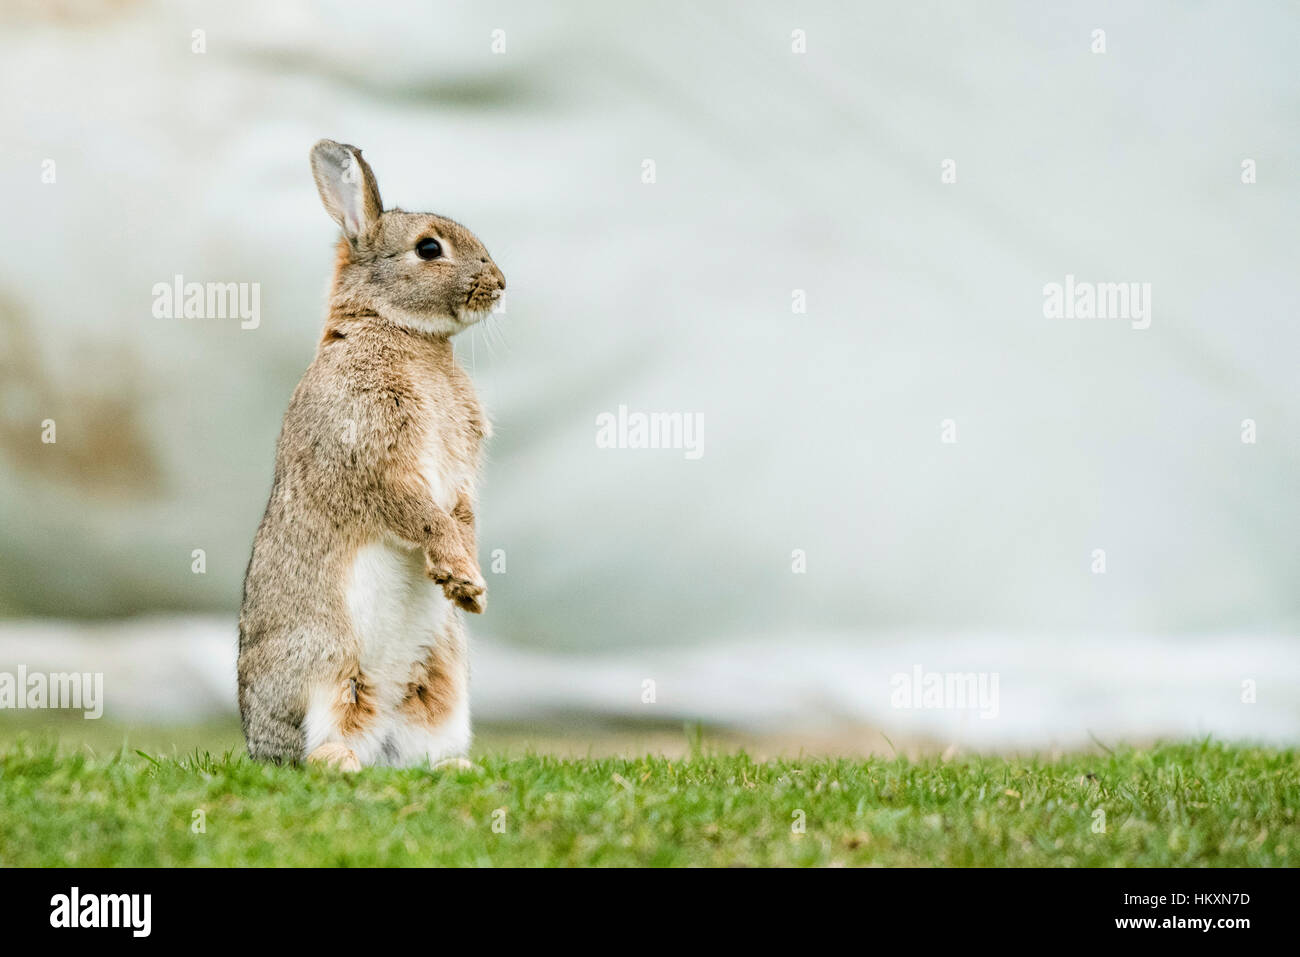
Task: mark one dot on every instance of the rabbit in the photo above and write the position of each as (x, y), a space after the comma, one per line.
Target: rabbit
(352, 645)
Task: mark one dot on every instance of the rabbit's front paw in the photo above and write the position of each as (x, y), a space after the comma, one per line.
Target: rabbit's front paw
(461, 582)
(472, 596)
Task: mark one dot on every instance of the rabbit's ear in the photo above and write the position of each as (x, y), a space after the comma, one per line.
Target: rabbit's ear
(347, 186)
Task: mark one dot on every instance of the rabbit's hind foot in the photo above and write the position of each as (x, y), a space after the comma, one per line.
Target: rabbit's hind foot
(336, 755)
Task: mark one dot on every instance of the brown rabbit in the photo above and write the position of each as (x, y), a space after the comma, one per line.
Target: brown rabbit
(351, 645)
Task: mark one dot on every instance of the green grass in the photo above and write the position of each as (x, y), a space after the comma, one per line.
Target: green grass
(1172, 805)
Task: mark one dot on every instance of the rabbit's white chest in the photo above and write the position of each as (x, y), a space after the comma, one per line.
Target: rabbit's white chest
(397, 612)
(446, 470)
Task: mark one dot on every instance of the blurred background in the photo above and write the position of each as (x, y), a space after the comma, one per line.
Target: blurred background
(828, 538)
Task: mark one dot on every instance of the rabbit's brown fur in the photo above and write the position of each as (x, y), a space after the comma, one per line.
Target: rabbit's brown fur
(351, 644)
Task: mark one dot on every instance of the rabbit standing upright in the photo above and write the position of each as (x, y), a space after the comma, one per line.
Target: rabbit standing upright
(351, 642)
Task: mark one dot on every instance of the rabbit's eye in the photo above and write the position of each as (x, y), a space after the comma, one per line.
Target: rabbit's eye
(428, 249)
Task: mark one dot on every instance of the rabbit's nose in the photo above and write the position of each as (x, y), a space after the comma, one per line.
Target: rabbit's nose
(500, 276)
